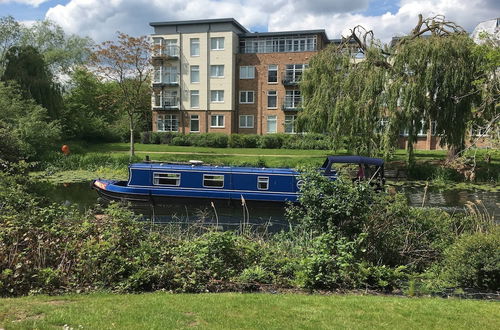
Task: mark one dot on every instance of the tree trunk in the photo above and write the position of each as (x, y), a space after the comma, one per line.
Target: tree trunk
(132, 149)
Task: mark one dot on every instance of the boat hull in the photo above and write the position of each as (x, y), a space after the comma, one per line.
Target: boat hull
(119, 191)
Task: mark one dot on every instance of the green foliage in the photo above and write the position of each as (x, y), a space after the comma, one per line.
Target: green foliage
(272, 141)
(26, 66)
(26, 125)
(344, 210)
(473, 261)
(244, 140)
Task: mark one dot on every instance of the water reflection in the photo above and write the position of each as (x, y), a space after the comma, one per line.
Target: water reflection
(270, 215)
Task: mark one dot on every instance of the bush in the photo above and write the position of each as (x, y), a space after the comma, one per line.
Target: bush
(182, 140)
(272, 141)
(214, 140)
(473, 261)
(146, 137)
(308, 141)
(244, 140)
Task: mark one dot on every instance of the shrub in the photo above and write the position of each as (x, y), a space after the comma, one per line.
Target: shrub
(272, 141)
(182, 140)
(244, 140)
(146, 137)
(214, 140)
(473, 261)
(331, 264)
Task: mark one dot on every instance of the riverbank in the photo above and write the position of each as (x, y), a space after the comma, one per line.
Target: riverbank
(244, 311)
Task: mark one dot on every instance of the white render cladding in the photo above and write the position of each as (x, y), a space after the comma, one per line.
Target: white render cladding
(202, 46)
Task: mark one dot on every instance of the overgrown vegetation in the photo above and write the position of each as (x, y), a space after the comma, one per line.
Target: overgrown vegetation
(343, 237)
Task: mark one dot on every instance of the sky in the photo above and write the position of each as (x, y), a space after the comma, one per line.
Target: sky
(101, 19)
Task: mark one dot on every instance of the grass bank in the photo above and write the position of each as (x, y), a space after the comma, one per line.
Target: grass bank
(244, 311)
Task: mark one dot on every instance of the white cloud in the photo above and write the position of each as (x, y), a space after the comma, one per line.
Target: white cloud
(100, 19)
(34, 3)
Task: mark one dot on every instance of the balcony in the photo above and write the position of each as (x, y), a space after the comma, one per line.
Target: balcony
(292, 79)
(292, 102)
(169, 80)
(166, 53)
(168, 103)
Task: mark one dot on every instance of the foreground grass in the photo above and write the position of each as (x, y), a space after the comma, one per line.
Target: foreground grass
(245, 311)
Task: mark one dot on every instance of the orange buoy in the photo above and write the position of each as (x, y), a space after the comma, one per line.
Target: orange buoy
(65, 149)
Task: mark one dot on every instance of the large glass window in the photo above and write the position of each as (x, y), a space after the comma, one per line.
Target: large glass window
(217, 96)
(167, 123)
(195, 46)
(167, 179)
(272, 73)
(217, 43)
(171, 75)
(272, 124)
(247, 72)
(195, 98)
(213, 181)
(290, 124)
(158, 71)
(217, 121)
(272, 99)
(279, 44)
(217, 71)
(294, 72)
(246, 97)
(246, 121)
(292, 99)
(195, 73)
(194, 123)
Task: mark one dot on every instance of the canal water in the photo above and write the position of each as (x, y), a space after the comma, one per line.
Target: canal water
(270, 216)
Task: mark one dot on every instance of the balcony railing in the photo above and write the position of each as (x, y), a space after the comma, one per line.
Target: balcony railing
(166, 80)
(168, 103)
(292, 102)
(292, 79)
(166, 52)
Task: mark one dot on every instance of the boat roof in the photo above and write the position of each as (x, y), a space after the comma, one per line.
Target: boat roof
(211, 168)
(356, 160)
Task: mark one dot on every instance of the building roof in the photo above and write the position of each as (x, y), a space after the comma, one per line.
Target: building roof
(202, 21)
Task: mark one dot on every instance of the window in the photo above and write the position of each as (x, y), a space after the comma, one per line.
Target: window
(247, 72)
(217, 43)
(272, 99)
(195, 46)
(217, 71)
(217, 121)
(157, 74)
(171, 48)
(195, 74)
(171, 76)
(217, 96)
(290, 124)
(170, 99)
(292, 99)
(263, 182)
(272, 74)
(158, 99)
(167, 179)
(157, 46)
(271, 124)
(167, 123)
(195, 98)
(213, 181)
(294, 72)
(194, 123)
(246, 121)
(246, 97)
(278, 44)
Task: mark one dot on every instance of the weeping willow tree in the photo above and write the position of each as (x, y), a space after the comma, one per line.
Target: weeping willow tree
(426, 77)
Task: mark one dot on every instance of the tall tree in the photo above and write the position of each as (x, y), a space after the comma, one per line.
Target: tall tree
(126, 62)
(426, 76)
(10, 35)
(26, 66)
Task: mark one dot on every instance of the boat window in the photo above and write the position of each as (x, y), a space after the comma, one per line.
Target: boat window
(214, 181)
(263, 182)
(167, 179)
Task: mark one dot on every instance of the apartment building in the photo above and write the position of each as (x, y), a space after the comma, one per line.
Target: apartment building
(214, 75)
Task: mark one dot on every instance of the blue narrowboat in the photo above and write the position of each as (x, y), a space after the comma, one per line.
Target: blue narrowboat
(151, 181)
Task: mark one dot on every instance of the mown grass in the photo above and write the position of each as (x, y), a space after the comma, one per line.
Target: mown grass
(245, 311)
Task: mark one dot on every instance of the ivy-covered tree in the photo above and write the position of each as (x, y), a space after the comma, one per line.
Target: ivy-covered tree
(26, 66)
(427, 76)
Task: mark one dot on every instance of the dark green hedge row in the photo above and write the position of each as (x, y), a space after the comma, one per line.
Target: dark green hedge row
(220, 140)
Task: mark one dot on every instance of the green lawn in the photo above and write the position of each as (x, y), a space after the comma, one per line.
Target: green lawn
(245, 311)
